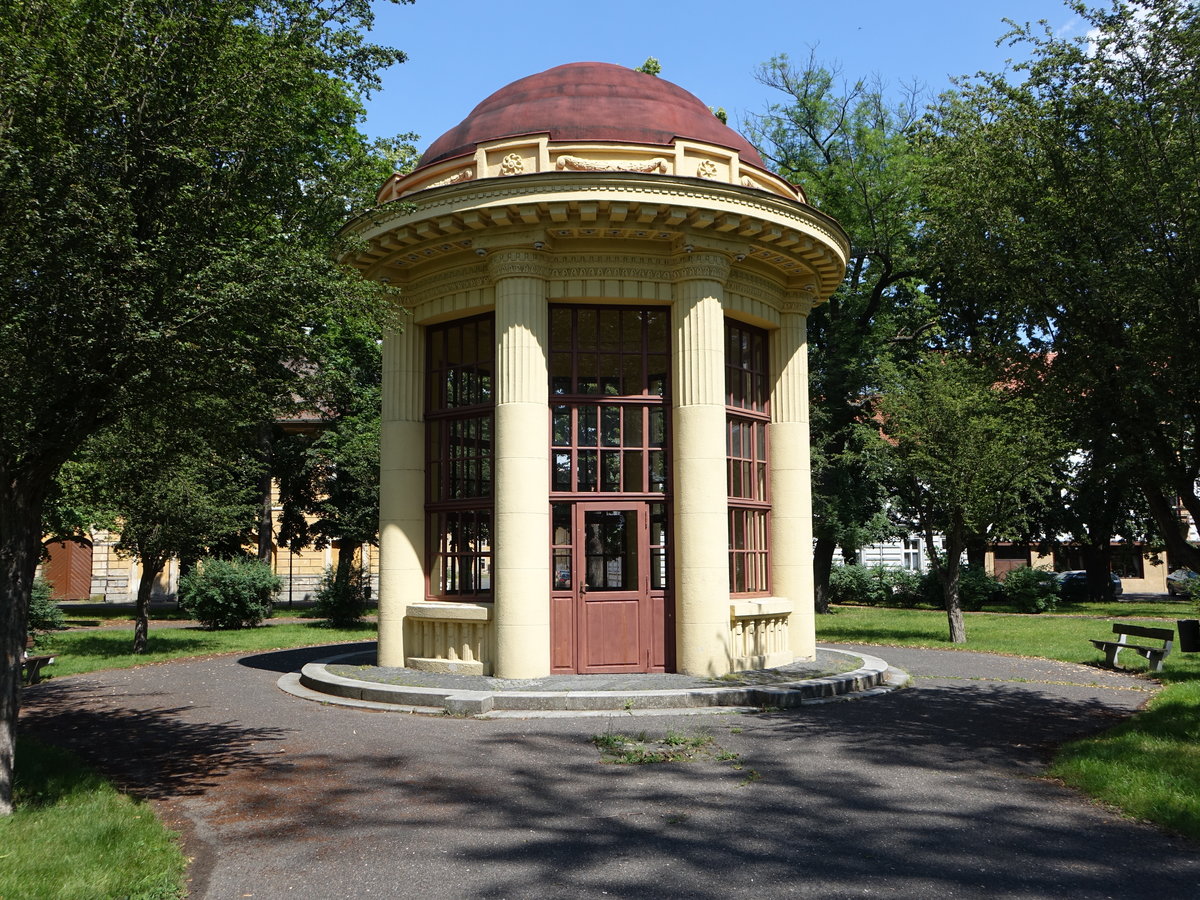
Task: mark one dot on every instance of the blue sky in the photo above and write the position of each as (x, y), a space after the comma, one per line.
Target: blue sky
(460, 52)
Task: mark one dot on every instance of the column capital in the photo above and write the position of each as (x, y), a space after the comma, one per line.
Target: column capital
(801, 301)
(702, 267)
(517, 263)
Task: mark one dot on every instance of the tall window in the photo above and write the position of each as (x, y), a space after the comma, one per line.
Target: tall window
(458, 465)
(746, 420)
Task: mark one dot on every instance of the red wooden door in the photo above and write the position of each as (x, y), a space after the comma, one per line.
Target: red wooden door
(613, 618)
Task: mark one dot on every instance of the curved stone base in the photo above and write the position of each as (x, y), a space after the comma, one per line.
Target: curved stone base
(316, 682)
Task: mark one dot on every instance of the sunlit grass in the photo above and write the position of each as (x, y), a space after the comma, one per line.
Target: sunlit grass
(73, 835)
(1149, 766)
(92, 650)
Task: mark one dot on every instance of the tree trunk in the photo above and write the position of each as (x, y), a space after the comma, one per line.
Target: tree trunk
(823, 552)
(21, 498)
(266, 517)
(141, 619)
(345, 559)
(1097, 562)
(1171, 527)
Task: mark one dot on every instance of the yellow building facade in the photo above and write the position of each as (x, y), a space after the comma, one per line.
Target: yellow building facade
(595, 416)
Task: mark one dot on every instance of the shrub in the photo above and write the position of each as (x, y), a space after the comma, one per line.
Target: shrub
(235, 593)
(863, 585)
(1031, 590)
(975, 589)
(343, 604)
(44, 614)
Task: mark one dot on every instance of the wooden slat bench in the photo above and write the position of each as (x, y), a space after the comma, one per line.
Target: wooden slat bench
(32, 665)
(1155, 655)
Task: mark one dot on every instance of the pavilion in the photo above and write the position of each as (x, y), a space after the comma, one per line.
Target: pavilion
(595, 418)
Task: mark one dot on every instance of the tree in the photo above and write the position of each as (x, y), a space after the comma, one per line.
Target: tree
(169, 184)
(969, 456)
(329, 480)
(851, 151)
(1064, 205)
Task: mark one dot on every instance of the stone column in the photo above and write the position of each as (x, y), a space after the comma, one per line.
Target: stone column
(521, 555)
(791, 476)
(701, 520)
(401, 487)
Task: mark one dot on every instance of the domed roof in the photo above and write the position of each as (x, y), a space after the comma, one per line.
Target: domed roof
(591, 101)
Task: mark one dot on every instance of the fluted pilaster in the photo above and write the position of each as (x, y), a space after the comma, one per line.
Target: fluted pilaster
(698, 456)
(401, 487)
(791, 481)
(521, 565)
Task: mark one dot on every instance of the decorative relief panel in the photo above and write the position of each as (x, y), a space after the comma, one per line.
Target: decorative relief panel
(512, 164)
(517, 264)
(707, 169)
(577, 164)
(456, 178)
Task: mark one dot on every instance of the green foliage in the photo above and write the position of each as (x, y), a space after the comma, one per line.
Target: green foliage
(1031, 590)
(343, 602)
(874, 586)
(1024, 171)
(73, 835)
(849, 148)
(236, 593)
(651, 66)
(44, 614)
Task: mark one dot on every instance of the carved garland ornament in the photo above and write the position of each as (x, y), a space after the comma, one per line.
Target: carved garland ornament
(575, 164)
(456, 178)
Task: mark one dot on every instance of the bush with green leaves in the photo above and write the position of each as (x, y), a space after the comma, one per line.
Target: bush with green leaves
(233, 593)
(345, 603)
(1031, 590)
(874, 586)
(44, 614)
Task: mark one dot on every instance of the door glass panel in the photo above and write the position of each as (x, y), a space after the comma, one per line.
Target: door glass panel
(610, 549)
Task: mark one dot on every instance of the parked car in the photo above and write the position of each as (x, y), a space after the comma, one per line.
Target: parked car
(1178, 582)
(1072, 585)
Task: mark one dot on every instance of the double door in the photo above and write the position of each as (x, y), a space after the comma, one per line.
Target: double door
(611, 605)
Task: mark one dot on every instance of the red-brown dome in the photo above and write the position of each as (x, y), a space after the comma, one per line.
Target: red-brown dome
(591, 102)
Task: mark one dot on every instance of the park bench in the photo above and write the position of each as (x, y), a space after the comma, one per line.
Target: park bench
(32, 665)
(1155, 655)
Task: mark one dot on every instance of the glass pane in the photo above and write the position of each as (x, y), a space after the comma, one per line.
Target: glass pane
(587, 425)
(631, 331)
(656, 326)
(610, 375)
(562, 570)
(633, 471)
(631, 375)
(656, 427)
(610, 330)
(586, 475)
(658, 569)
(658, 523)
(560, 329)
(562, 471)
(633, 426)
(586, 330)
(610, 426)
(560, 373)
(561, 517)
(610, 470)
(658, 472)
(562, 426)
(657, 377)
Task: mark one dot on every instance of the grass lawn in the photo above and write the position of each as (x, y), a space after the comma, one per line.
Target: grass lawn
(73, 835)
(1149, 766)
(91, 650)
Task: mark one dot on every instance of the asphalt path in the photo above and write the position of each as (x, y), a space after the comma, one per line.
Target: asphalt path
(931, 791)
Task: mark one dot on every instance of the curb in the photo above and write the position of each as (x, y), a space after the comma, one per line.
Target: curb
(316, 682)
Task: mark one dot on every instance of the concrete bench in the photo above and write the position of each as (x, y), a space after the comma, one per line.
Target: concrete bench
(1155, 655)
(32, 664)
